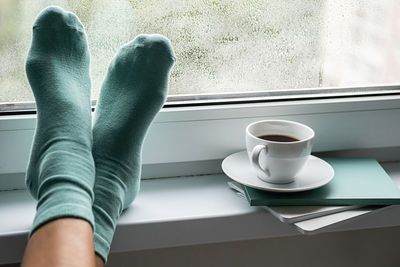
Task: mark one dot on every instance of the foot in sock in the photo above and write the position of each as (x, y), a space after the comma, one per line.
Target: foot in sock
(132, 93)
(60, 173)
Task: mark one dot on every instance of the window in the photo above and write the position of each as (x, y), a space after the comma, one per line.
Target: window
(245, 52)
(226, 48)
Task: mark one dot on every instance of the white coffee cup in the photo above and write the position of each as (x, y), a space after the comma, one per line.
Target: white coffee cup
(278, 161)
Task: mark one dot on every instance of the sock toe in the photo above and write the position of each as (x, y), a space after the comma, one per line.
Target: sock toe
(57, 18)
(152, 52)
(155, 45)
(58, 39)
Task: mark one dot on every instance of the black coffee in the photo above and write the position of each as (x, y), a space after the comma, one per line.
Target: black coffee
(278, 138)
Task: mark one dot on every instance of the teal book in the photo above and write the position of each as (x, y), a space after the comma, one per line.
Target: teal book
(357, 181)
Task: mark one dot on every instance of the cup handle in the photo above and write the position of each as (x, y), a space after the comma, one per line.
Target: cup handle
(255, 155)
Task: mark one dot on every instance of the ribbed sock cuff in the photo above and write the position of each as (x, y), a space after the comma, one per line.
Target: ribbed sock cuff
(64, 210)
(101, 246)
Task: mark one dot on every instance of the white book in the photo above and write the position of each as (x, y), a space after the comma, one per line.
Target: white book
(312, 219)
(294, 214)
(319, 224)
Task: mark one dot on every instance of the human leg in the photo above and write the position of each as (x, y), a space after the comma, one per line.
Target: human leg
(62, 242)
(133, 91)
(60, 173)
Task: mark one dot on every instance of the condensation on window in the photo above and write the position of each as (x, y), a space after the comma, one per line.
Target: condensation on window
(226, 45)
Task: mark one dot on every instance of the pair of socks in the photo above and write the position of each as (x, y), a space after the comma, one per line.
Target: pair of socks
(77, 169)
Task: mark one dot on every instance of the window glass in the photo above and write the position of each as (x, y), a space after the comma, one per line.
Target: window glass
(225, 46)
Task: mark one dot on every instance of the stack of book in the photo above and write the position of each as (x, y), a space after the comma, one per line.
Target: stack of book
(359, 187)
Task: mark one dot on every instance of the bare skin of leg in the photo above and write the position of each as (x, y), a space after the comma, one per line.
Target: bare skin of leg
(99, 261)
(62, 242)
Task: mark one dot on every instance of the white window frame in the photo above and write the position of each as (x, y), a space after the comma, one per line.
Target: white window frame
(204, 133)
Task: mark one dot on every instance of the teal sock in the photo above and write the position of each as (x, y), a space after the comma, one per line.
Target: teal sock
(60, 173)
(132, 93)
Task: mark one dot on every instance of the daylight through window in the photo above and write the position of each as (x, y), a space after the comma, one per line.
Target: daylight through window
(226, 46)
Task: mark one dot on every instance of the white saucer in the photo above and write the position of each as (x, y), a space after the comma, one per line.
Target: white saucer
(314, 174)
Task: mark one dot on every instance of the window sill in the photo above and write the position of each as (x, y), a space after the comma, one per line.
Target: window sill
(218, 131)
(177, 212)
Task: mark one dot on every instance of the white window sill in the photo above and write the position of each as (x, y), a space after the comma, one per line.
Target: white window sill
(177, 212)
(219, 130)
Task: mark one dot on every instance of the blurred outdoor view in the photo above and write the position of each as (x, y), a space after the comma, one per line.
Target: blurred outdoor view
(225, 45)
